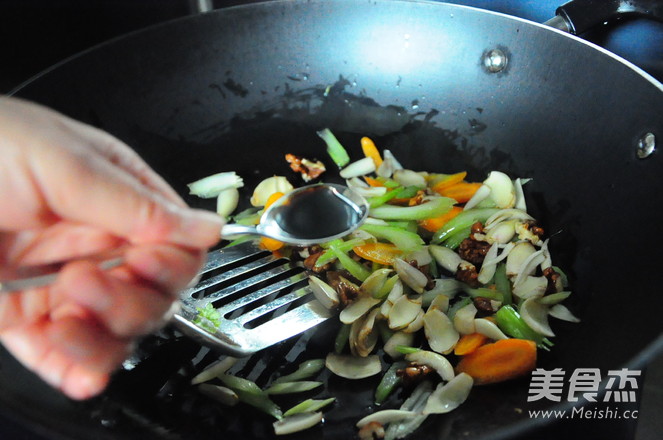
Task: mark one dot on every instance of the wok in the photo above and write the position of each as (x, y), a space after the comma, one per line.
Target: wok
(236, 89)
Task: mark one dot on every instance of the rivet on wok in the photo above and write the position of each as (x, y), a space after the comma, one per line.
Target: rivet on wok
(646, 146)
(495, 60)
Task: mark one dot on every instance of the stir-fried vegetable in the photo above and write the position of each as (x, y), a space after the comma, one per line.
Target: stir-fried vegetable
(442, 266)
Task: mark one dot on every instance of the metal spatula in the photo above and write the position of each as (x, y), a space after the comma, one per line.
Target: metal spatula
(262, 300)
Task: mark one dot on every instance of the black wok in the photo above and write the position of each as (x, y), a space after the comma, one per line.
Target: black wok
(235, 89)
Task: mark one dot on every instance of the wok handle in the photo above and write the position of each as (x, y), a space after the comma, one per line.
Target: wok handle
(578, 16)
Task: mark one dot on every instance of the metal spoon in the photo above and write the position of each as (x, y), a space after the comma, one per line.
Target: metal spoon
(308, 215)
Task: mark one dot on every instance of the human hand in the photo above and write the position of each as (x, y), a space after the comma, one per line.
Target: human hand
(68, 189)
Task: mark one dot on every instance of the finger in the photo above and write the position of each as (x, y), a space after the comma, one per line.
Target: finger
(71, 354)
(169, 268)
(126, 309)
(59, 242)
(122, 206)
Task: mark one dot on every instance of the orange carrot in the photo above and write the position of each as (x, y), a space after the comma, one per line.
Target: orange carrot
(460, 192)
(435, 224)
(269, 243)
(370, 150)
(381, 253)
(468, 343)
(451, 179)
(373, 182)
(502, 360)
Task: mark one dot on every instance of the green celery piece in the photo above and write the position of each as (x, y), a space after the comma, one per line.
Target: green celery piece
(342, 338)
(503, 284)
(410, 226)
(305, 370)
(376, 201)
(308, 405)
(386, 287)
(334, 148)
(356, 269)
(344, 246)
(239, 240)
(402, 239)
(484, 292)
(433, 208)
(554, 298)
(510, 322)
(457, 306)
(456, 238)
(463, 220)
(251, 394)
(389, 382)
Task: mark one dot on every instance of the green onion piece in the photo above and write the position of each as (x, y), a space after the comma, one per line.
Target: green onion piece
(403, 240)
(463, 220)
(434, 208)
(404, 349)
(356, 269)
(503, 284)
(208, 318)
(309, 405)
(457, 306)
(251, 394)
(342, 338)
(389, 382)
(483, 292)
(334, 148)
(511, 323)
(305, 370)
(554, 298)
(454, 240)
(293, 387)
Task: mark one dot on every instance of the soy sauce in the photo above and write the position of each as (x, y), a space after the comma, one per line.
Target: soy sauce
(317, 212)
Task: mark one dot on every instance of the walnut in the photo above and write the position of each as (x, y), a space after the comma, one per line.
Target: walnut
(414, 373)
(467, 273)
(309, 169)
(347, 290)
(473, 250)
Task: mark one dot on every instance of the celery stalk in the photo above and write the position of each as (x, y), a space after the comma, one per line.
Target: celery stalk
(402, 239)
(389, 382)
(510, 322)
(342, 338)
(503, 284)
(463, 220)
(356, 269)
(434, 208)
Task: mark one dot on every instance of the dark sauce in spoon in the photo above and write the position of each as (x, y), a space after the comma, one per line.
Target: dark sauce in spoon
(317, 212)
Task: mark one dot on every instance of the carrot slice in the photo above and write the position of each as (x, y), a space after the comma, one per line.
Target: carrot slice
(460, 192)
(381, 253)
(435, 224)
(468, 343)
(269, 243)
(452, 179)
(370, 150)
(373, 182)
(502, 360)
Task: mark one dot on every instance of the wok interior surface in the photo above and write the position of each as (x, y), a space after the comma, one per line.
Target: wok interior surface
(237, 89)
